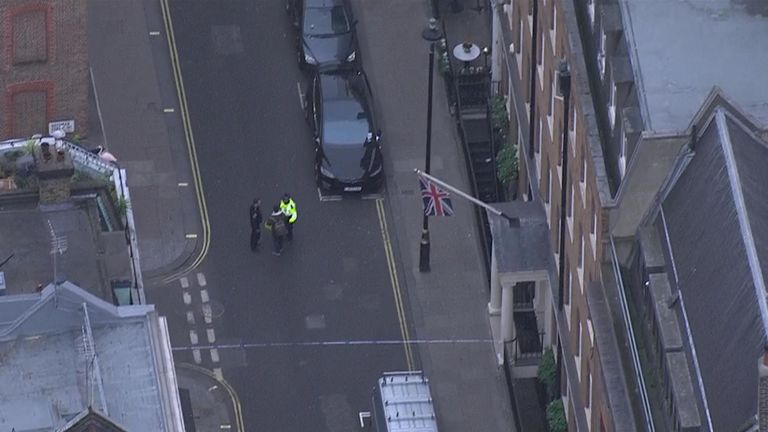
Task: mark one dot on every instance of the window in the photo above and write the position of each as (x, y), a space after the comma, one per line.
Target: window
(538, 131)
(593, 225)
(548, 185)
(623, 155)
(29, 32)
(551, 104)
(583, 173)
(580, 245)
(567, 288)
(553, 28)
(572, 124)
(569, 203)
(611, 104)
(601, 55)
(577, 342)
(588, 385)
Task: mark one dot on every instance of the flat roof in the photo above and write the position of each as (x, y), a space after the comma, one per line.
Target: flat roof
(681, 49)
(92, 258)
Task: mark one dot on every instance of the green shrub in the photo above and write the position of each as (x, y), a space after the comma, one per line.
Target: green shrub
(13, 155)
(556, 416)
(499, 115)
(506, 164)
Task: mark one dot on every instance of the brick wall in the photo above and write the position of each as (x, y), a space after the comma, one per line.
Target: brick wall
(43, 65)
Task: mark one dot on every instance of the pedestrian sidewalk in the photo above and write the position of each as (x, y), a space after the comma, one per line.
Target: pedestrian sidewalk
(450, 302)
(208, 402)
(134, 96)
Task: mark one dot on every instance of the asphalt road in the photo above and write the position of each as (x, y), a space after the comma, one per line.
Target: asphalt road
(331, 283)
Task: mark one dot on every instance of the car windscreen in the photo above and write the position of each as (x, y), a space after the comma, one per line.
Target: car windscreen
(319, 21)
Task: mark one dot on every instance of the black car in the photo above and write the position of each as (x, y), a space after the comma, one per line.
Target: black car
(347, 141)
(327, 37)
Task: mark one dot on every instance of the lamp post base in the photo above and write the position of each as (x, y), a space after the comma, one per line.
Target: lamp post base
(424, 252)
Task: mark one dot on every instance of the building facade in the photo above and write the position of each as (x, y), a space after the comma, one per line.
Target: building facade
(612, 121)
(44, 66)
(563, 168)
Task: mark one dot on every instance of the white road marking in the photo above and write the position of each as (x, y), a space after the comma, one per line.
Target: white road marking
(225, 427)
(201, 279)
(154, 33)
(215, 355)
(187, 298)
(212, 388)
(218, 374)
(183, 184)
(211, 335)
(372, 196)
(193, 337)
(207, 313)
(204, 296)
(325, 198)
(184, 282)
(302, 102)
(190, 318)
(191, 236)
(196, 355)
(169, 110)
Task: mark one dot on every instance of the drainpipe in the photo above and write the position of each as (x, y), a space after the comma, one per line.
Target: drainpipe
(565, 90)
(531, 116)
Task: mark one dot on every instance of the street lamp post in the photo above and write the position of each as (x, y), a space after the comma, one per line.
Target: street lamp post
(431, 34)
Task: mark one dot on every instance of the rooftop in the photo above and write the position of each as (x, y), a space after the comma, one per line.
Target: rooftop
(681, 49)
(64, 350)
(712, 223)
(92, 257)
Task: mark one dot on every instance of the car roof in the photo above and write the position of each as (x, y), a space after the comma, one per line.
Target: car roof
(323, 3)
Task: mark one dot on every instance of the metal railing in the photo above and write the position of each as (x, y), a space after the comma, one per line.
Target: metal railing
(631, 339)
(519, 354)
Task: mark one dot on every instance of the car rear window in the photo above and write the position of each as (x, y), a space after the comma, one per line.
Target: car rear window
(325, 21)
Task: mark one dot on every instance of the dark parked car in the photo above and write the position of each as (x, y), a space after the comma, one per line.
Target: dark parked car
(327, 37)
(347, 141)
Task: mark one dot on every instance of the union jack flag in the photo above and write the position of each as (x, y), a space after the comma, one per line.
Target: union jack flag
(436, 201)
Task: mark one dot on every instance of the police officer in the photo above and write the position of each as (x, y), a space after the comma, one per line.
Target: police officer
(288, 207)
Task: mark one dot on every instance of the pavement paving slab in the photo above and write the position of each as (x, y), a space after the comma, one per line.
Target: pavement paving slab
(450, 301)
(133, 86)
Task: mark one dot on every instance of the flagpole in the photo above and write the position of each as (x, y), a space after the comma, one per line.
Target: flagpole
(497, 212)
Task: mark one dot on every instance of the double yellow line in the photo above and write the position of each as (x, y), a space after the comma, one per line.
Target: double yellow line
(397, 292)
(190, 139)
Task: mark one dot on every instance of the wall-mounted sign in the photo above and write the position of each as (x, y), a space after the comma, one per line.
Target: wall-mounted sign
(67, 126)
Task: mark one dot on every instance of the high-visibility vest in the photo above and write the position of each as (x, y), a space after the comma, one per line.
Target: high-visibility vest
(289, 210)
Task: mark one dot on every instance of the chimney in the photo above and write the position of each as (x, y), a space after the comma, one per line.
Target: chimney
(762, 391)
(54, 171)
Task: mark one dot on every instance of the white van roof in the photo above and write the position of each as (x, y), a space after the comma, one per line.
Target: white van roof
(407, 402)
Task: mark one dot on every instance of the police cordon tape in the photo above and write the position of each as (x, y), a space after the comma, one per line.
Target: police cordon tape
(244, 345)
